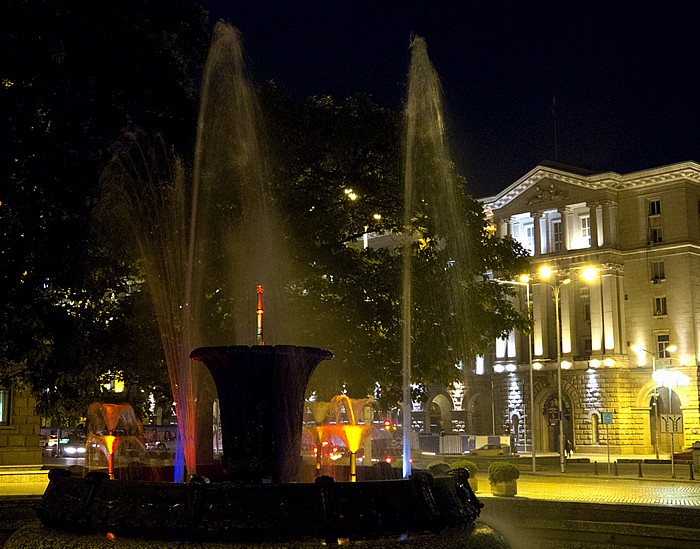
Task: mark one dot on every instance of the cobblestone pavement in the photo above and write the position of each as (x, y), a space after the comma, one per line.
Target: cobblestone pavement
(604, 490)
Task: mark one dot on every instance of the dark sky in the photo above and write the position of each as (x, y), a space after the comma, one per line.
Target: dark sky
(626, 75)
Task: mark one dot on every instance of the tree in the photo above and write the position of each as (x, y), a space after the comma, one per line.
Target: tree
(339, 178)
(75, 76)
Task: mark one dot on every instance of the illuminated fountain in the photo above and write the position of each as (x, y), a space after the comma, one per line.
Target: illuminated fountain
(351, 432)
(112, 426)
(254, 501)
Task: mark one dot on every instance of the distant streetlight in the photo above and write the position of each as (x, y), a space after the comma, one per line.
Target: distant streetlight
(546, 273)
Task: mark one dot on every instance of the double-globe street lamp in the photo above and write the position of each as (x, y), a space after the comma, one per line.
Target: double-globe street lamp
(546, 273)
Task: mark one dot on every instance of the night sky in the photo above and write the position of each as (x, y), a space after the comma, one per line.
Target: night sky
(625, 75)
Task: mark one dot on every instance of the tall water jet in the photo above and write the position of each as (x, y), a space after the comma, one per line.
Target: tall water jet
(206, 241)
(434, 200)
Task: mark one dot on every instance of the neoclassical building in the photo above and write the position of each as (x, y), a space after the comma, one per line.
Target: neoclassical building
(629, 338)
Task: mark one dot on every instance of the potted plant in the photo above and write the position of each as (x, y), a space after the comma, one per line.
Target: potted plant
(469, 466)
(503, 477)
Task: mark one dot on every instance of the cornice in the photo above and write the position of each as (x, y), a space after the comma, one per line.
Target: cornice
(603, 181)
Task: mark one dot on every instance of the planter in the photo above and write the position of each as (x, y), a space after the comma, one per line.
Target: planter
(508, 489)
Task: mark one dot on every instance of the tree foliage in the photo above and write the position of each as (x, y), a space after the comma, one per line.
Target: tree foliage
(339, 178)
(75, 76)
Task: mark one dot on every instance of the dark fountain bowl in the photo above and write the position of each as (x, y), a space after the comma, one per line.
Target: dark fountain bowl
(422, 511)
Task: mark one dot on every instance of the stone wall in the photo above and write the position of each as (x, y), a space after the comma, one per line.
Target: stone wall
(19, 441)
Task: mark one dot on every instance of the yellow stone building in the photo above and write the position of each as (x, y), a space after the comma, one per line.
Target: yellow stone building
(629, 338)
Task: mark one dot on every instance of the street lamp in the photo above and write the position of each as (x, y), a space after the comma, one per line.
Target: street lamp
(524, 280)
(545, 273)
(639, 350)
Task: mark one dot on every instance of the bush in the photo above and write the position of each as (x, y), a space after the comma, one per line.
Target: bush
(501, 471)
(465, 464)
(439, 468)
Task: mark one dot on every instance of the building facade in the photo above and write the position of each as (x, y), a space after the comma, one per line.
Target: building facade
(19, 428)
(629, 339)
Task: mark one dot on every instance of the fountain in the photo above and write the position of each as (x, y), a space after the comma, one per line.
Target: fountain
(112, 426)
(254, 500)
(351, 433)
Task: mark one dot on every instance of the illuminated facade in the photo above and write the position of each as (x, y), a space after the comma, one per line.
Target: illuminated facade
(641, 232)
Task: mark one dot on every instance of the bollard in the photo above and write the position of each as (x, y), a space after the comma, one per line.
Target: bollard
(692, 473)
(615, 470)
(640, 470)
(595, 468)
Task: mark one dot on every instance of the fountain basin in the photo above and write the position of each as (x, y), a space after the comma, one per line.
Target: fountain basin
(320, 512)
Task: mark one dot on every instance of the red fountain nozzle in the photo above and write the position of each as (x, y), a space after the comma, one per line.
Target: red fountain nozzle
(260, 312)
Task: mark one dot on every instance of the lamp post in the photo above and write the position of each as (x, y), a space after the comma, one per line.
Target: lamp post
(524, 281)
(546, 272)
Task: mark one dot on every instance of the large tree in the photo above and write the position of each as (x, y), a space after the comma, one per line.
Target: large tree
(75, 76)
(339, 178)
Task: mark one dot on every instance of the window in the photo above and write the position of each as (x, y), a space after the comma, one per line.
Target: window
(658, 271)
(660, 306)
(655, 235)
(556, 236)
(663, 342)
(4, 406)
(587, 312)
(530, 238)
(654, 207)
(586, 229)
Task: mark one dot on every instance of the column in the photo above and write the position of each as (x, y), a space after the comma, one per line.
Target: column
(538, 232)
(564, 213)
(611, 313)
(593, 216)
(596, 299)
(609, 223)
(540, 294)
(565, 318)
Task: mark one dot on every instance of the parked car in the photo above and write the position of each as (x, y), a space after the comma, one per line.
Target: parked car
(73, 446)
(156, 441)
(491, 450)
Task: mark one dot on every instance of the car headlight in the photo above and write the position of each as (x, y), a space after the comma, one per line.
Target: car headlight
(70, 450)
(81, 450)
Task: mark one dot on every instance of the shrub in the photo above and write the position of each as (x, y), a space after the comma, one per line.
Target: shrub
(465, 464)
(439, 468)
(502, 471)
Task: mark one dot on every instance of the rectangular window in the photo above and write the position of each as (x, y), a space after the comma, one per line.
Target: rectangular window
(658, 271)
(663, 342)
(655, 235)
(556, 236)
(4, 406)
(660, 306)
(586, 229)
(654, 207)
(530, 238)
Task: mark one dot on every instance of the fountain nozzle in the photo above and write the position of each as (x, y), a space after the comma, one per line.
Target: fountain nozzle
(260, 312)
